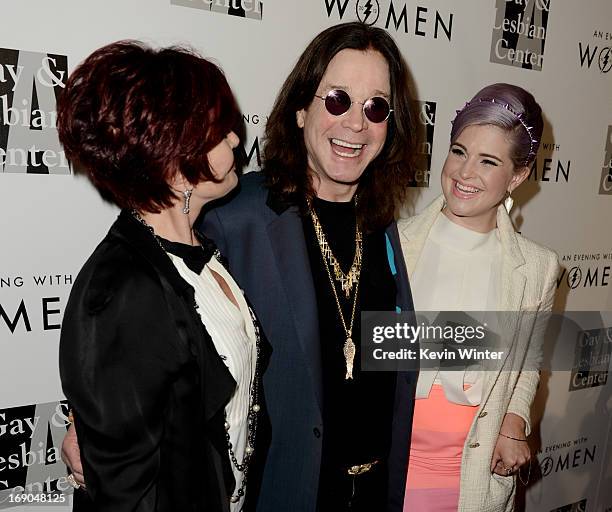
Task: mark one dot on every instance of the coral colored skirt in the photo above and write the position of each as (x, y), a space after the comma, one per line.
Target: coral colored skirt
(439, 430)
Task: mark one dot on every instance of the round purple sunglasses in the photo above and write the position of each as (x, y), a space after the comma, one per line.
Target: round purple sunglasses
(338, 103)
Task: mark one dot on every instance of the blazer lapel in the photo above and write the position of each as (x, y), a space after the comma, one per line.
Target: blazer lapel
(512, 288)
(398, 269)
(512, 280)
(289, 247)
(189, 326)
(414, 232)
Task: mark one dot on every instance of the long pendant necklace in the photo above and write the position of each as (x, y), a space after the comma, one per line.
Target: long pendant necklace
(254, 407)
(349, 349)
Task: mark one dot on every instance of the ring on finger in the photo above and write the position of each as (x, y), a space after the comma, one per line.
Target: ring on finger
(72, 481)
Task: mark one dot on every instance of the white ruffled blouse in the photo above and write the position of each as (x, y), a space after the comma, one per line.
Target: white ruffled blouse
(233, 334)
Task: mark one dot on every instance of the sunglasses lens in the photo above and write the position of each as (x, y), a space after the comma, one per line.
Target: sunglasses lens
(377, 109)
(337, 102)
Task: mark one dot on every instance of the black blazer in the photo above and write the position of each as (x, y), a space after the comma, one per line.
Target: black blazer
(263, 240)
(145, 381)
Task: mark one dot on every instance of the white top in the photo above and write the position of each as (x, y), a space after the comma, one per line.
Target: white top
(233, 334)
(456, 271)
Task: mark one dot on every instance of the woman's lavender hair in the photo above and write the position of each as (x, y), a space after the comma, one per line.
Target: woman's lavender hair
(510, 108)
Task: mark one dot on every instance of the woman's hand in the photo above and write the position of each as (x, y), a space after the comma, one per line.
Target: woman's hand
(509, 454)
(71, 455)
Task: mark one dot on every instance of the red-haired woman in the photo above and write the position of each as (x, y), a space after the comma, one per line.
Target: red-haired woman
(159, 350)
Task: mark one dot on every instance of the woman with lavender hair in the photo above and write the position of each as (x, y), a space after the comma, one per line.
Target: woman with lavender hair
(463, 254)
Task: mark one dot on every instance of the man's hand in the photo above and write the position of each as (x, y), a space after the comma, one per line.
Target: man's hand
(71, 455)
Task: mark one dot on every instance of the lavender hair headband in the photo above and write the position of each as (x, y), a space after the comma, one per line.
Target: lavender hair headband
(519, 116)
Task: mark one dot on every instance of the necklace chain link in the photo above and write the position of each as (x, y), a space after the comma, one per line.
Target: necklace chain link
(347, 281)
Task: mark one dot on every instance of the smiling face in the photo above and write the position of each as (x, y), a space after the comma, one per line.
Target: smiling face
(476, 175)
(341, 147)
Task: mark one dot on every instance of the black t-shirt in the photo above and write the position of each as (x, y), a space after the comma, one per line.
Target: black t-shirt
(357, 413)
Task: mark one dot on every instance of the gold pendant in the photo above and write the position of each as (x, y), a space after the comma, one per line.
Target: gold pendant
(361, 468)
(349, 356)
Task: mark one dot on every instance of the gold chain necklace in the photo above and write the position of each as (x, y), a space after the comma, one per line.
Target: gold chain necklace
(349, 349)
(348, 280)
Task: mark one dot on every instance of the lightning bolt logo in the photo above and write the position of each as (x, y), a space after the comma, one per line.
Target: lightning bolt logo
(368, 11)
(574, 277)
(605, 63)
(546, 465)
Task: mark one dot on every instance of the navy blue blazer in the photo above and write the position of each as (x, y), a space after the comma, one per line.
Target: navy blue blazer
(263, 241)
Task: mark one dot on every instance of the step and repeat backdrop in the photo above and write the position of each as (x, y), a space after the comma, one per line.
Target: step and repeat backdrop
(50, 219)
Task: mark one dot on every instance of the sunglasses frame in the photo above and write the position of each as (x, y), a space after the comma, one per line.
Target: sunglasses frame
(362, 103)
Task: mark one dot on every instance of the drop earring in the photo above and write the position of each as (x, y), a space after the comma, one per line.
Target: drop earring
(187, 197)
(509, 202)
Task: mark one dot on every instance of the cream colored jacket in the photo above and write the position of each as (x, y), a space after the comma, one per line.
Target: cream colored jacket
(528, 282)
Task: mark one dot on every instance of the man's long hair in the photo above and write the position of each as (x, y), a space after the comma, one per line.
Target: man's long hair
(383, 186)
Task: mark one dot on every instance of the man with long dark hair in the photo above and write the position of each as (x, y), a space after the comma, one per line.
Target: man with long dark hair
(312, 241)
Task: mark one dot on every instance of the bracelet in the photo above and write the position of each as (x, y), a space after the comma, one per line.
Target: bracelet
(70, 417)
(513, 438)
